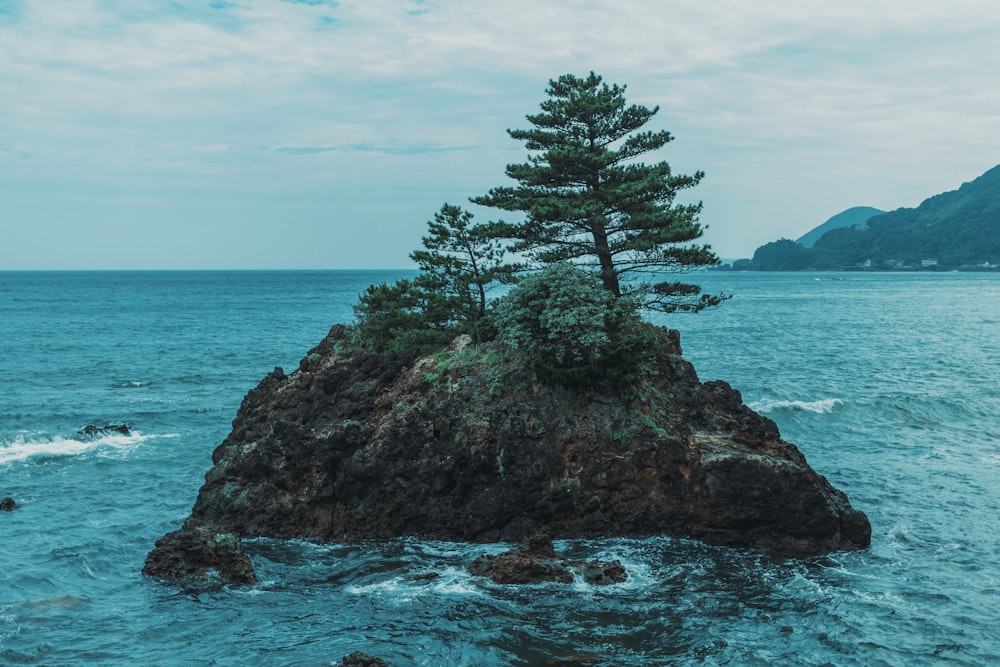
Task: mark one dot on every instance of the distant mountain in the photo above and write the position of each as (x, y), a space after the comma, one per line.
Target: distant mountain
(858, 215)
(953, 230)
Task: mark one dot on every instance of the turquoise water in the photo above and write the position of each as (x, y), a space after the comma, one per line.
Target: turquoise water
(887, 383)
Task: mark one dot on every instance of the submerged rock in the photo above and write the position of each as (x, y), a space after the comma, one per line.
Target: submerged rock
(466, 445)
(359, 659)
(535, 561)
(91, 431)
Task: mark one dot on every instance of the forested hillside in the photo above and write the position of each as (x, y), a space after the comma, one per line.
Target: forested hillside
(953, 230)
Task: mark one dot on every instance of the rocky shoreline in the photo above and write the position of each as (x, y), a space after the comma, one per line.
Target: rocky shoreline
(467, 445)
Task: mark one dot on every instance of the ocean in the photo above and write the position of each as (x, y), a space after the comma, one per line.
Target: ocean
(887, 382)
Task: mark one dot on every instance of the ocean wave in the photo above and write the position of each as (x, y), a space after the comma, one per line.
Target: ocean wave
(452, 581)
(24, 446)
(822, 406)
(129, 384)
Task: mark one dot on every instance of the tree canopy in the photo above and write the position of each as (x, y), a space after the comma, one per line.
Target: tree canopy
(463, 259)
(458, 266)
(586, 198)
(588, 205)
(571, 329)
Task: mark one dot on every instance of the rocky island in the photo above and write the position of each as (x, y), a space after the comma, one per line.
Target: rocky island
(466, 445)
(555, 410)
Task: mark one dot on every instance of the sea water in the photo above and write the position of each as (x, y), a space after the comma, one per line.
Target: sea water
(888, 383)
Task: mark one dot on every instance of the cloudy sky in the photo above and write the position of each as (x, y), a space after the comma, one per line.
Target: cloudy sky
(320, 134)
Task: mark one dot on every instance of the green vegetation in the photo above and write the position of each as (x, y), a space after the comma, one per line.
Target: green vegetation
(586, 199)
(953, 230)
(858, 215)
(458, 266)
(463, 261)
(407, 314)
(784, 255)
(572, 329)
(595, 222)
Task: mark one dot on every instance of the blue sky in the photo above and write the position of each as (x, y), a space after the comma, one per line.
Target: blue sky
(318, 134)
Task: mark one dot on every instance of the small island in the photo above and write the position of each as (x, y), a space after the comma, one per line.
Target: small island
(553, 410)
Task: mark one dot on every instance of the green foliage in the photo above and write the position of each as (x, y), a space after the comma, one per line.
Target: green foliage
(572, 329)
(463, 260)
(585, 198)
(857, 215)
(782, 254)
(957, 229)
(407, 314)
(458, 267)
(558, 313)
(624, 433)
(650, 424)
(440, 368)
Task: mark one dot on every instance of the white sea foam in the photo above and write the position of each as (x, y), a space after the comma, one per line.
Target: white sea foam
(26, 446)
(452, 581)
(129, 384)
(822, 406)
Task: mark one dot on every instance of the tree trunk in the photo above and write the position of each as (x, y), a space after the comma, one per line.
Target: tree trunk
(609, 276)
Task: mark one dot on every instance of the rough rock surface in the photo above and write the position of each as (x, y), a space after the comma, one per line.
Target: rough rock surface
(92, 431)
(465, 445)
(535, 560)
(196, 551)
(359, 659)
(8, 505)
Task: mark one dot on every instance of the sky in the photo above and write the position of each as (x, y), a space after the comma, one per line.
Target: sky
(321, 134)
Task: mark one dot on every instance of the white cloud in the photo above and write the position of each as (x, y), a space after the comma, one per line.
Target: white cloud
(796, 110)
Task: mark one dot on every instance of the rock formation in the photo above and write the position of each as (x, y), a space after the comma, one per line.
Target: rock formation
(92, 431)
(467, 445)
(359, 659)
(535, 561)
(197, 550)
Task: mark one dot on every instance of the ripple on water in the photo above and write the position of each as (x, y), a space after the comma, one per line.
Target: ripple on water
(886, 394)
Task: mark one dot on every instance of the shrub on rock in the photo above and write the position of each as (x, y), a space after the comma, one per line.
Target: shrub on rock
(571, 329)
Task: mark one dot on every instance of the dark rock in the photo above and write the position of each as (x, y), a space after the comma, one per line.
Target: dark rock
(8, 505)
(467, 446)
(92, 431)
(195, 551)
(536, 561)
(602, 574)
(359, 659)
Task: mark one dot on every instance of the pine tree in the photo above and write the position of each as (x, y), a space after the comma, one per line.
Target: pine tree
(449, 296)
(463, 259)
(586, 199)
(406, 314)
